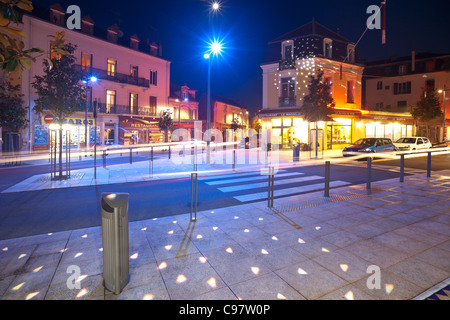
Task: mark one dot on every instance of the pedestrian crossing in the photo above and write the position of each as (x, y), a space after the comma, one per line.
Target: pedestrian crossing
(252, 186)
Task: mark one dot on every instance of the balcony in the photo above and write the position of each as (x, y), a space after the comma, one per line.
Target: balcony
(286, 64)
(125, 110)
(117, 77)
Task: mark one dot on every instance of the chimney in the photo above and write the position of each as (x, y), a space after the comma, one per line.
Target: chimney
(113, 33)
(413, 60)
(134, 42)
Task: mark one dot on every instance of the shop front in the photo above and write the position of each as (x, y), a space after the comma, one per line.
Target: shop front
(139, 130)
(74, 127)
(346, 127)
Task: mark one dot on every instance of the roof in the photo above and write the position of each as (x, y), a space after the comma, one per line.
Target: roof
(312, 28)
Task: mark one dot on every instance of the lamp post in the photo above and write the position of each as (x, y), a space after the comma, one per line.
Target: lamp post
(92, 79)
(215, 48)
(443, 124)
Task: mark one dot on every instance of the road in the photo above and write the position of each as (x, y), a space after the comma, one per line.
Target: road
(45, 211)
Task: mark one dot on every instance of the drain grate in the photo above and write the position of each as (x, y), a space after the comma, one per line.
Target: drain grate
(348, 195)
(73, 177)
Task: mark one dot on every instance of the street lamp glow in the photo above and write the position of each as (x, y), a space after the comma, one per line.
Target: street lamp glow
(216, 47)
(206, 56)
(215, 6)
(94, 79)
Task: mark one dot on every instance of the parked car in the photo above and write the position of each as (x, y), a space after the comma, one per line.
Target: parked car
(412, 144)
(369, 145)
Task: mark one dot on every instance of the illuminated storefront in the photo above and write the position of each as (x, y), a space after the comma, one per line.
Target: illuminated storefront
(346, 127)
(135, 130)
(76, 126)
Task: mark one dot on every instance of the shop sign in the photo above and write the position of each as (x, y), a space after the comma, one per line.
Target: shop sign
(71, 121)
(281, 114)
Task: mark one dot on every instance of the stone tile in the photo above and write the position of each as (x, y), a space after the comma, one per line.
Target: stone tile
(375, 253)
(90, 288)
(312, 248)
(419, 272)
(241, 270)
(26, 283)
(365, 231)
(224, 293)
(392, 287)
(155, 290)
(422, 235)
(437, 257)
(266, 287)
(281, 257)
(401, 243)
(341, 238)
(344, 264)
(310, 279)
(349, 292)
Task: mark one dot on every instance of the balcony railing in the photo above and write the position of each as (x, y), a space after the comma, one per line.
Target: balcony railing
(116, 77)
(121, 109)
(286, 64)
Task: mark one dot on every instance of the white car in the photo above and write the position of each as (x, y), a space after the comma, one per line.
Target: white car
(413, 144)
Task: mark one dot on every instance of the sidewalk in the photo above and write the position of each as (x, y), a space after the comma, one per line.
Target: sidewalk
(309, 247)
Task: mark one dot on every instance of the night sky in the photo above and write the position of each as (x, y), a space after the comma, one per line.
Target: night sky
(246, 26)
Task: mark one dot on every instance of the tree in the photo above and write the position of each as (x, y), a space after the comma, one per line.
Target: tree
(235, 124)
(318, 104)
(12, 113)
(427, 108)
(60, 90)
(165, 124)
(13, 57)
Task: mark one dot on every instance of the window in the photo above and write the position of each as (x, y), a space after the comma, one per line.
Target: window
(112, 68)
(86, 62)
(287, 53)
(402, 104)
(134, 72)
(402, 69)
(402, 88)
(154, 78)
(380, 85)
(429, 85)
(287, 91)
(350, 91)
(327, 47)
(133, 103)
(153, 105)
(430, 66)
(110, 100)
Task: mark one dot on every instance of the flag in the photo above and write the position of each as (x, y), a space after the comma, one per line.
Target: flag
(340, 71)
(383, 28)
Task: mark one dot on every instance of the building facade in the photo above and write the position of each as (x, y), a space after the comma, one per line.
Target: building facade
(291, 60)
(133, 83)
(225, 114)
(396, 84)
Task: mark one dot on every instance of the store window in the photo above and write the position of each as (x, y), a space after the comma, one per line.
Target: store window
(339, 132)
(86, 62)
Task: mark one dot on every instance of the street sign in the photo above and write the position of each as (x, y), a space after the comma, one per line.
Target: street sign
(49, 118)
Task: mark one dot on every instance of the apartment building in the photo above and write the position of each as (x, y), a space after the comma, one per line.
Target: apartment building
(133, 84)
(394, 85)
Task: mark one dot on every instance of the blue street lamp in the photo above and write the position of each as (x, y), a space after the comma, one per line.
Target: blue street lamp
(86, 81)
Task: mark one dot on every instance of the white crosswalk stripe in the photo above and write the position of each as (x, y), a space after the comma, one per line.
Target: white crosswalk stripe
(246, 181)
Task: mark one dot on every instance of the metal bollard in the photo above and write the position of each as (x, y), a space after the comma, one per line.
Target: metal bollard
(104, 159)
(402, 168)
(270, 187)
(369, 173)
(234, 160)
(429, 165)
(131, 155)
(194, 187)
(327, 179)
(170, 151)
(151, 162)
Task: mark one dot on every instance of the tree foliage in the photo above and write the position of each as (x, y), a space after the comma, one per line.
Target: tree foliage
(12, 113)
(60, 90)
(13, 55)
(165, 123)
(427, 108)
(318, 104)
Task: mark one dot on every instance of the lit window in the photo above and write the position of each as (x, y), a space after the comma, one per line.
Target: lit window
(112, 68)
(86, 62)
(110, 100)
